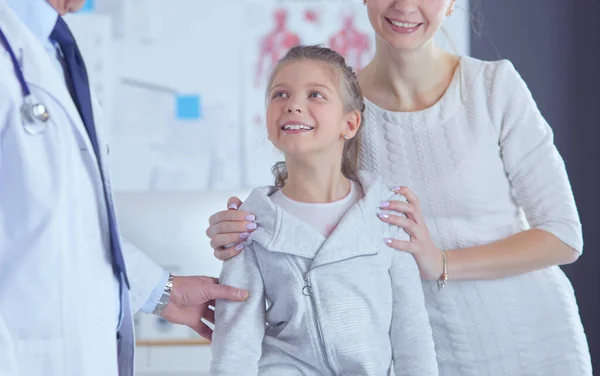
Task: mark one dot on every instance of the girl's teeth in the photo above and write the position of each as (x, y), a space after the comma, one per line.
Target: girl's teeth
(296, 127)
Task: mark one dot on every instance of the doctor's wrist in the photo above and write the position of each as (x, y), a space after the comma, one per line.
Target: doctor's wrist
(165, 297)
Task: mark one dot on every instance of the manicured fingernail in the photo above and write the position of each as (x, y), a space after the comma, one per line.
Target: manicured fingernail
(251, 226)
(233, 206)
(244, 235)
(388, 241)
(239, 247)
(251, 217)
(397, 188)
(242, 294)
(384, 204)
(383, 215)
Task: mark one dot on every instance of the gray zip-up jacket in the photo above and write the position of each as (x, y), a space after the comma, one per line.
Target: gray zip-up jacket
(344, 305)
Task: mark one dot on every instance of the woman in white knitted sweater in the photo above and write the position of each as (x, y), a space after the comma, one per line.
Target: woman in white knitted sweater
(490, 209)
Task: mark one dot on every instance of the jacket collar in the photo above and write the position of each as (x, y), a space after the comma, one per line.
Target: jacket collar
(280, 231)
(38, 16)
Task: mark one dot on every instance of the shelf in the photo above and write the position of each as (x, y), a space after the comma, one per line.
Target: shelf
(172, 342)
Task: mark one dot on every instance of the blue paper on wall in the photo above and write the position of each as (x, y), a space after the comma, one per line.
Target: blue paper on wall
(188, 107)
(88, 6)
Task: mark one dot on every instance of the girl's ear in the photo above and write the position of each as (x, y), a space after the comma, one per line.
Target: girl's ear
(353, 123)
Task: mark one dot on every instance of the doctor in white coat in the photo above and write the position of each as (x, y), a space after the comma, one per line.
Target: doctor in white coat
(69, 283)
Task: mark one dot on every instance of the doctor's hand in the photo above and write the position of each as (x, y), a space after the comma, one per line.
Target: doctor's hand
(228, 229)
(193, 298)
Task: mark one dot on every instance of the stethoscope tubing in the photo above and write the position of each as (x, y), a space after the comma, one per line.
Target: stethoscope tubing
(15, 62)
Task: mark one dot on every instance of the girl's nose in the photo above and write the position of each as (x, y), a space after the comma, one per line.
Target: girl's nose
(294, 108)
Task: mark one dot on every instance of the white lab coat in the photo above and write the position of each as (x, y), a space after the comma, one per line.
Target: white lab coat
(59, 299)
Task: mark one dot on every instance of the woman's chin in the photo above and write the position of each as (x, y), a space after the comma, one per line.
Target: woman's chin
(405, 44)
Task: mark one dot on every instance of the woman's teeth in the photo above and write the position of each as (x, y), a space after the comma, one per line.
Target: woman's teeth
(405, 25)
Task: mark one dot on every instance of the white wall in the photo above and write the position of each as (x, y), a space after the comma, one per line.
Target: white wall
(173, 361)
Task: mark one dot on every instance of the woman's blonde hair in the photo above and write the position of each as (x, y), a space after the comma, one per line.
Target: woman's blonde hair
(351, 97)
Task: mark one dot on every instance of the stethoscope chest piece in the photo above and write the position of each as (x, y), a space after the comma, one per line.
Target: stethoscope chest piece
(35, 116)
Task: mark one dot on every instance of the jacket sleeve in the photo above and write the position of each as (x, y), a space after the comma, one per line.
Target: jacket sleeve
(413, 349)
(532, 162)
(239, 326)
(145, 276)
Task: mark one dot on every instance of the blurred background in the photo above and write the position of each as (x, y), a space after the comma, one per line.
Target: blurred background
(182, 84)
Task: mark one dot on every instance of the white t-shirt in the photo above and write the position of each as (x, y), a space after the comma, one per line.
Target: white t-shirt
(324, 217)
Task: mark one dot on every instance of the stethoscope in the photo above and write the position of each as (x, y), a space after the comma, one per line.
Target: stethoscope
(34, 113)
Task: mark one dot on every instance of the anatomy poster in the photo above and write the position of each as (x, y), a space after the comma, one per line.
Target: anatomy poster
(272, 29)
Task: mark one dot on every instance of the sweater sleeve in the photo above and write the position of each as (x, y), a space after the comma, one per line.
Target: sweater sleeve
(532, 162)
(239, 326)
(411, 335)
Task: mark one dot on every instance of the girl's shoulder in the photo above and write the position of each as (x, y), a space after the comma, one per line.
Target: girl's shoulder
(259, 202)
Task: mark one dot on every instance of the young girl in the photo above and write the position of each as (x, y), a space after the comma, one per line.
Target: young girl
(340, 302)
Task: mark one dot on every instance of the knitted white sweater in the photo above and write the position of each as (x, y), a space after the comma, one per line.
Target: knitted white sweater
(483, 163)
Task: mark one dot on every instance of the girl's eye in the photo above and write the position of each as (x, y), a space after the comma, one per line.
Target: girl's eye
(279, 94)
(316, 94)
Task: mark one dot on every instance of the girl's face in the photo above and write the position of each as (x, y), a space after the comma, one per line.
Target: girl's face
(407, 24)
(305, 111)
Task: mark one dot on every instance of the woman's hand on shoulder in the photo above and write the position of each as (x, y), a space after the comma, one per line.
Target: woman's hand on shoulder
(429, 257)
(228, 229)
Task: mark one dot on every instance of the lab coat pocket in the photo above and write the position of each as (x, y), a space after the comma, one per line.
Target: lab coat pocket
(40, 356)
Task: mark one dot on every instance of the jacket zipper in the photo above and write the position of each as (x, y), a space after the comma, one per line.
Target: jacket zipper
(307, 291)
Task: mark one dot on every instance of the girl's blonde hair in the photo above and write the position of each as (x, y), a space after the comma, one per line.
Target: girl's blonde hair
(351, 97)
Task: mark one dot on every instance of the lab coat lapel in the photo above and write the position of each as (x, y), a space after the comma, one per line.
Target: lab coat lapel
(39, 71)
(102, 142)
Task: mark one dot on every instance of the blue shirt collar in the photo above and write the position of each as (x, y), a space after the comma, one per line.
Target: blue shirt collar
(38, 16)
